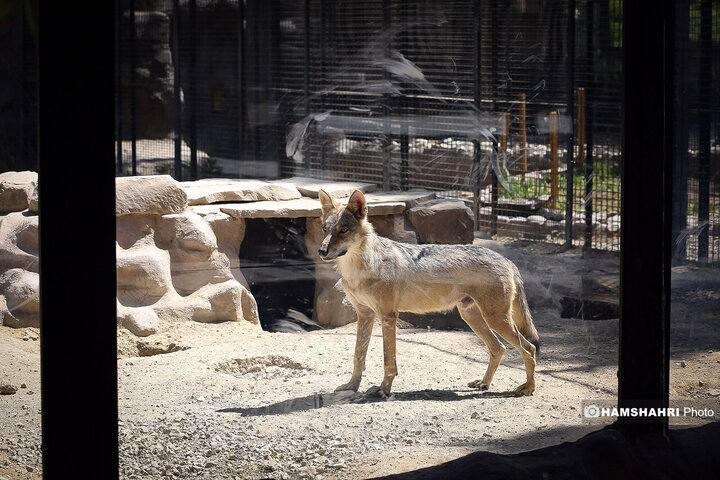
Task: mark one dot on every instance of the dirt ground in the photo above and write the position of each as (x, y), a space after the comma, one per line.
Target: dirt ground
(225, 400)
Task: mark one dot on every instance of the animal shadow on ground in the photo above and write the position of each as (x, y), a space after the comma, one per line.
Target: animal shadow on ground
(320, 400)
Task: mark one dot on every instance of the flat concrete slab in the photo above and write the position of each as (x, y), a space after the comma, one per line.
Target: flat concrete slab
(218, 190)
(311, 186)
(379, 203)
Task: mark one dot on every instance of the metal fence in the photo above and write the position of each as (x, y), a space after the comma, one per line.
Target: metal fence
(513, 107)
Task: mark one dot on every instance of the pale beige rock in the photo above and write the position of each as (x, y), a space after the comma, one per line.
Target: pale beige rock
(302, 207)
(394, 227)
(135, 229)
(143, 275)
(208, 191)
(443, 221)
(311, 186)
(20, 290)
(230, 233)
(19, 241)
(141, 321)
(16, 188)
(332, 307)
(34, 201)
(156, 194)
(411, 198)
(227, 301)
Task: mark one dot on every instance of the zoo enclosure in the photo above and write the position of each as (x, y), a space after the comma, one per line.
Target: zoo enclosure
(477, 100)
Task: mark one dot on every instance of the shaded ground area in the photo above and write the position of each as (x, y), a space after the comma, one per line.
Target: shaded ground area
(225, 401)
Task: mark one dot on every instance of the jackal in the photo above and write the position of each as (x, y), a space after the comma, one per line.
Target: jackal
(382, 278)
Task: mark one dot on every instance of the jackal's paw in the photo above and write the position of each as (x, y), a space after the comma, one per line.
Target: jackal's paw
(525, 389)
(377, 391)
(479, 384)
(351, 386)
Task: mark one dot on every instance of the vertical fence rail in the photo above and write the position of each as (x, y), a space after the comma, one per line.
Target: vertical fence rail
(177, 99)
(704, 133)
(570, 140)
(133, 89)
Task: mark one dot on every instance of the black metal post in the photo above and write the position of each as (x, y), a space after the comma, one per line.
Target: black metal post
(570, 139)
(644, 353)
(241, 83)
(387, 173)
(495, 83)
(177, 97)
(477, 71)
(118, 89)
(589, 123)
(133, 87)
(704, 127)
(193, 86)
(79, 432)
(681, 132)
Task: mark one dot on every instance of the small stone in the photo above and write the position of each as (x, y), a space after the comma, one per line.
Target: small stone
(22, 385)
(701, 383)
(683, 364)
(7, 388)
(474, 415)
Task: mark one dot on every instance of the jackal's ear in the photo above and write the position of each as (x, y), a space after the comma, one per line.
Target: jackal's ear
(357, 205)
(326, 203)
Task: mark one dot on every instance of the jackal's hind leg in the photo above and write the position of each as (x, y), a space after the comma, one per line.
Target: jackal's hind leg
(470, 312)
(366, 318)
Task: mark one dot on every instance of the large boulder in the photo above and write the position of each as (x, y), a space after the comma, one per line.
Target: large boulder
(217, 190)
(394, 227)
(443, 221)
(152, 194)
(16, 190)
(143, 275)
(19, 242)
(142, 321)
(20, 306)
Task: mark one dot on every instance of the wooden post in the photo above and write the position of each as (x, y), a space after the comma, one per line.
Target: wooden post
(581, 125)
(523, 135)
(502, 151)
(554, 185)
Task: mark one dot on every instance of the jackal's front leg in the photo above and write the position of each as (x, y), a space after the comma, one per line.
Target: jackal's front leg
(389, 324)
(366, 318)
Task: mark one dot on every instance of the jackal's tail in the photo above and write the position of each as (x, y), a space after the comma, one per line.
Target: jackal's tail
(522, 317)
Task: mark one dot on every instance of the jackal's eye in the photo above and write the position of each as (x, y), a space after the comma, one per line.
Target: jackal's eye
(324, 228)
(344, 229)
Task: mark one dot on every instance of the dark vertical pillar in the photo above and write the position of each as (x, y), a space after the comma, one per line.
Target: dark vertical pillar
(133, 88)
(681, 132)
(177, 96)
(193, 86)
(118, 89)
(241, 81)
(307, 71)
(643, 376)
(570, 139)
(495, 82)
(387, 174)
(705, 90)
(477, 80)
(589, 123)
(76, 108)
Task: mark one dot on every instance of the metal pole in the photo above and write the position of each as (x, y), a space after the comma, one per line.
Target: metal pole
(495, 83)
(523, 135)
(590, 115)
(118, 90)
(177, 101)
(477, 70)
(387, 174)
(241, 83)
(570, 140)
(193, 87)
(704, 134)
(133, 86)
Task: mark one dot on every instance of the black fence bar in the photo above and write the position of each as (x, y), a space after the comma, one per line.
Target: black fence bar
(704, 134)
(643, 374)
(133, 89)
(495, 82)
(240, 58)
(386, 108)
(589, 115)
(570, 139)
(79, 434)
(177, 97)
(477, 102)
(682, 141)
(118, 91)
(193, 87)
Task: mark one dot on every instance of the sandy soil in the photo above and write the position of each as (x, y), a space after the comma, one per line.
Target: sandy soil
(229, 401)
